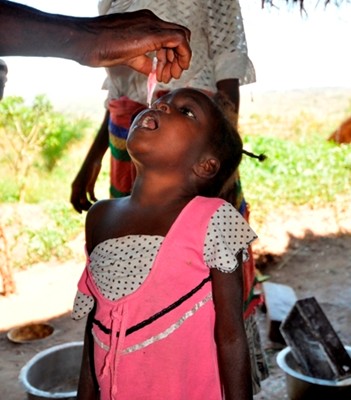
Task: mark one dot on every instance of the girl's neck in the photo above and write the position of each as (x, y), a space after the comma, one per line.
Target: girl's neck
(160, 191)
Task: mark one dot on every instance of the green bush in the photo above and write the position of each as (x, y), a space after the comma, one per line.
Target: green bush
(33, 136)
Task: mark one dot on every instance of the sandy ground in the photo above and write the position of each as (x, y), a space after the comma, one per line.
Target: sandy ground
(43, 292)
(310, 250)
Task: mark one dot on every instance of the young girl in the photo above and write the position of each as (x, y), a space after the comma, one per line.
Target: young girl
(163, 282)
(220, 64)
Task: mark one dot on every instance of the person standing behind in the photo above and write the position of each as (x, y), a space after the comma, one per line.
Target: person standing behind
(220, 62)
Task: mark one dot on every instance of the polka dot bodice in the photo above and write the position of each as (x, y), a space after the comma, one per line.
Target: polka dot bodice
(120, 265)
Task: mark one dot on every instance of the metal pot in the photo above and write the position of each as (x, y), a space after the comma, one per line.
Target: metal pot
(303, 387)
(53, 373)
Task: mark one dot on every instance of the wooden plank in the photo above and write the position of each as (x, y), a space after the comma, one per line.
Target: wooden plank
(314, 343)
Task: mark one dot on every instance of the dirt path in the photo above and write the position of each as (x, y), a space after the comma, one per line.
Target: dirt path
(309, 250)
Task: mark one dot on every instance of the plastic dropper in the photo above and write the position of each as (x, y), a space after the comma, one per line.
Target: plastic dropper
(151, 82)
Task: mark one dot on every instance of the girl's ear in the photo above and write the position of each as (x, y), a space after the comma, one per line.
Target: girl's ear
(207, 168)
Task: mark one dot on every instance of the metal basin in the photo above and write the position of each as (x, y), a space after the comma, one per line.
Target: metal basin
(303, 387)
(30, 333)
(53, 373)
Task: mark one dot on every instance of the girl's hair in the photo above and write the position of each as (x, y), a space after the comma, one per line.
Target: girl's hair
(227, 146)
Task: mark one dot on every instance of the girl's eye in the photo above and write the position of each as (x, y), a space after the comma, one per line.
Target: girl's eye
(187, 111)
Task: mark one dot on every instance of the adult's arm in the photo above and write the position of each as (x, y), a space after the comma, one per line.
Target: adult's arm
(231, 89)
(97, 42)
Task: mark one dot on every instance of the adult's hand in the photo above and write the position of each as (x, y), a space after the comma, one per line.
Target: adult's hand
(103, 41)
(128, 39)
(83, 194)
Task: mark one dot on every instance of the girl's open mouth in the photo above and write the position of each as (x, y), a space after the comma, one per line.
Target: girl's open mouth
(149, 122)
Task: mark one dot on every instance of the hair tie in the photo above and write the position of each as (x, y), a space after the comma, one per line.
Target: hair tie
(260, 157)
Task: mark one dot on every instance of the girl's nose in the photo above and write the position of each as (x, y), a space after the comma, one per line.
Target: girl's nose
(162, 106)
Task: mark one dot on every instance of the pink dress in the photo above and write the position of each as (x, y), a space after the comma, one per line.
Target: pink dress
(158, 341)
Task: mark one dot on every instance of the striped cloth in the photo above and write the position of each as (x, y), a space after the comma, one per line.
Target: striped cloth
(122, 172)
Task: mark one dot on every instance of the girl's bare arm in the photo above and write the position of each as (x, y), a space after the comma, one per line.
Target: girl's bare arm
(87, 386)
(233, 351)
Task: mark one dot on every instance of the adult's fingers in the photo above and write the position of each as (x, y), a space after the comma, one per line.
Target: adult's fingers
(169, 41)
(161, 74)
(182, 53)
(168, 65)
(175, 69)
(178, 51)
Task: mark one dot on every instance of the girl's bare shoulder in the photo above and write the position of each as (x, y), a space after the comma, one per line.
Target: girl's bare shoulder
(102, 221)
(103, 212)
(102, 206)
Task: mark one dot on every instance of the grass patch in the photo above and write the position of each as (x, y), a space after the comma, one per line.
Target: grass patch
(302, 168)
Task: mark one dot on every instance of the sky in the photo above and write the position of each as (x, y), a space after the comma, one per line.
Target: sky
(288, 50)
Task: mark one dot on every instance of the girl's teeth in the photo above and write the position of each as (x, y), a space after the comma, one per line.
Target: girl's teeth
(149, 123)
